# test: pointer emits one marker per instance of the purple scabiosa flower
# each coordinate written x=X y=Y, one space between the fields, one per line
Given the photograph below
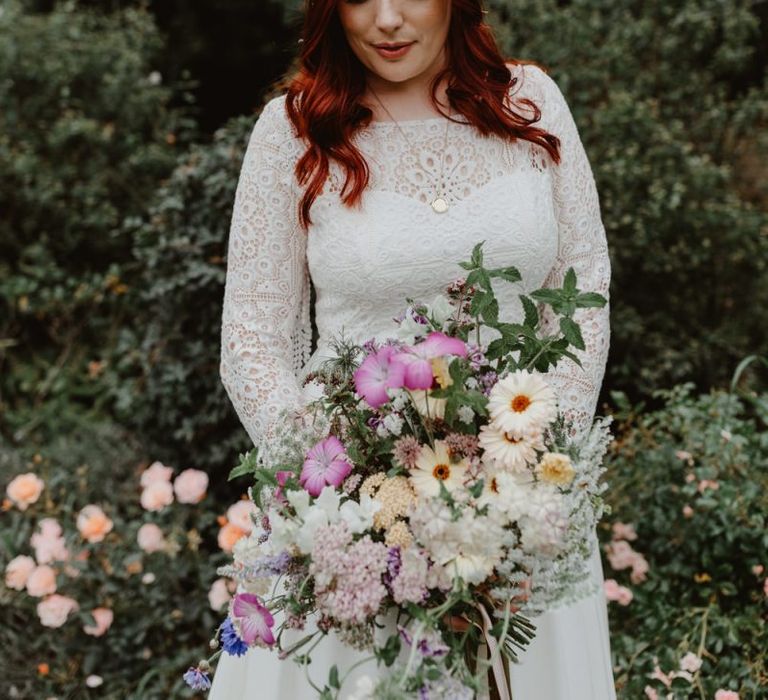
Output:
x=252 y=618
x=393 y=567
x=377 y=373
x=487 y=381
x=326 y=464
x=197 y=679
x=418 y=358
x=230 y=639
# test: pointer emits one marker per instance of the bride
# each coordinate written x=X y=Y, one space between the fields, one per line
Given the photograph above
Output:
x=410 y=139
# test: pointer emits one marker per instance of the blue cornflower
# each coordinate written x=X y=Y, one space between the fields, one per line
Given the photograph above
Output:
x=197 y=679
x=230 y=640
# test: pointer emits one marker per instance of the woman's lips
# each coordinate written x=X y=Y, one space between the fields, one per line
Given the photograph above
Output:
x=393 y=53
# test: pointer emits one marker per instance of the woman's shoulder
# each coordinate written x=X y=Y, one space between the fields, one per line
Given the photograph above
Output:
x=532 y=81
x=274 y=125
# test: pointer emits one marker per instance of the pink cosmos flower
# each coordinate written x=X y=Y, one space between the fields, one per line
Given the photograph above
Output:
x=418 y=358
x=378 y=372
x=253 y=619
x=326 y=463
x=726 y=695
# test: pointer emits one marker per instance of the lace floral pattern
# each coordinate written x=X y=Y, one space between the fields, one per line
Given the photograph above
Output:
x=364 y=261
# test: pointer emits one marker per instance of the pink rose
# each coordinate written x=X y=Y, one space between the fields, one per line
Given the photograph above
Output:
x=190 y=486
x=624 y=531
x=690 y=662
x=41 y=581
x=150 y=538
x=157 y=495
x=708 y=484
x=684 y=456
x=48 y=544
x=93 y=523
x=620 y=554
x=726 y=695
x=229 y=534
x=650 y=693
x=54 y=609
x=639 y=569
x=155 y=472
x=614 y=592
x=758 y=569
x=17 y=572
x=687 y=511
x=103 y=618
x=239 y=514
x=218 y=595
x=25 y=489
x=659 y=675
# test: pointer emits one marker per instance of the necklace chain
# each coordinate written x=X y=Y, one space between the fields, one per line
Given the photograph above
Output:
x=439 y=203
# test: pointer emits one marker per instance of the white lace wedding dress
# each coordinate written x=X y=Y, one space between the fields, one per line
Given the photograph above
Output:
x=533 y=214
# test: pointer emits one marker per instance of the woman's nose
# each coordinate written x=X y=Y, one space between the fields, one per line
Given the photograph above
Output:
x=388 y=15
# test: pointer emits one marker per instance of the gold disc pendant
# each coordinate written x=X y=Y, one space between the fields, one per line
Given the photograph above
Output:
x=440 y=205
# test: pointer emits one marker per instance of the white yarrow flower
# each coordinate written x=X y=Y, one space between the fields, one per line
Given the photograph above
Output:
x=465 y=414
x=522 y=402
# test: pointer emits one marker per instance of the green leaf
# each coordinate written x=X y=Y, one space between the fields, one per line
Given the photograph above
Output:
x=477 y=254
x=548 y=296
x=531 y=312
x=333 y=677
x=590 y=299
x=569 y=283
x=491 y=312
x=572 y=332
x=510 y=274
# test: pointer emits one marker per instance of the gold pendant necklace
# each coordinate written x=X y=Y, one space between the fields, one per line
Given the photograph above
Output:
x=439 y=204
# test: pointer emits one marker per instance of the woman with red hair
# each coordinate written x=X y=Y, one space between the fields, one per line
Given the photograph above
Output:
x=403 y=139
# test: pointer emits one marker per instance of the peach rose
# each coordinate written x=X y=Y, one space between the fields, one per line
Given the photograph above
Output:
x=614 y=592
x=150 y=538
x=687 y=511
x=218 y=595
x=17 y=572
x=624 y=531
x=190 y=486
x=726 y=695
x=93 y=523
x=25 y=489
x=240 y=514
x=228 y=535
x=157 y=495
x=41 y=581
x=54 y=610
x=103 y=618
x=48 y=544
x=155 y=472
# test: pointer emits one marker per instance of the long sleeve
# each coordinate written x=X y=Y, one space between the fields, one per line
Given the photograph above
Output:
x=583 y=246
x=265 y=332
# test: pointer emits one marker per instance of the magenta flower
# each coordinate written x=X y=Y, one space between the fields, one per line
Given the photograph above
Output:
x=326 y=464
x=253 y=619
x=282 y=477
x=417 y=358
x=378 y=372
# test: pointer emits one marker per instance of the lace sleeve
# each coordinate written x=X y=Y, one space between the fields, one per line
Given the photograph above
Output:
x=583 y=246
x=265 y=332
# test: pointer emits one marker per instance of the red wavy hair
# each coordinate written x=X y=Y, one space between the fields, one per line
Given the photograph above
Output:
x=324 y=92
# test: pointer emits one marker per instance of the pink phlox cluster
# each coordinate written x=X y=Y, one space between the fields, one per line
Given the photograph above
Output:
x=348 y=575
x=623 y=531
x=410 y=584
x=462 y=444
x=622 y=556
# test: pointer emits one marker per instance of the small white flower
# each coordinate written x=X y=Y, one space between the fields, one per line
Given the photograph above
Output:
x=521 y=402
x=466 y=414
x=359 y=516
x=726 y=435
x=364 y=689
x=399 y=399
x=94 y=681
x=381 y=431
x=690 y=662
x=393 y=423
x=299 y=499
x=441 y=309
x=283 y=533
x=471 y=383
x=155 y=78
x=148 y=578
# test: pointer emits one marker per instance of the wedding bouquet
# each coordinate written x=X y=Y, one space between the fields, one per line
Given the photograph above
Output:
x=437 y=487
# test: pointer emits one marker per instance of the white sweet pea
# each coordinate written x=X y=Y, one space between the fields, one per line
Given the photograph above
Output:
x=283 y=534
x=305 y=537
x=328 y=501
x=409 y=329
x=359 y=516
x=441 y=309
x=393 y=423
x=299 y=500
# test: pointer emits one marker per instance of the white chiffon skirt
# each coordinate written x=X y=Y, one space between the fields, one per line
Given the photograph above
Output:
x=569 y=659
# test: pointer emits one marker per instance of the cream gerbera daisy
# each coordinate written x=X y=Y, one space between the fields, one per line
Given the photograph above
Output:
x=507 y=450
x=435 y=466
x=521 y=402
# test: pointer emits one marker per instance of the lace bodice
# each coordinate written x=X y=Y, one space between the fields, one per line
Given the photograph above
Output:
x=363 y=263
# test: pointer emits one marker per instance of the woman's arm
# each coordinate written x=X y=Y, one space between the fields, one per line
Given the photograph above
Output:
x=582 y=246
x=265 y=332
